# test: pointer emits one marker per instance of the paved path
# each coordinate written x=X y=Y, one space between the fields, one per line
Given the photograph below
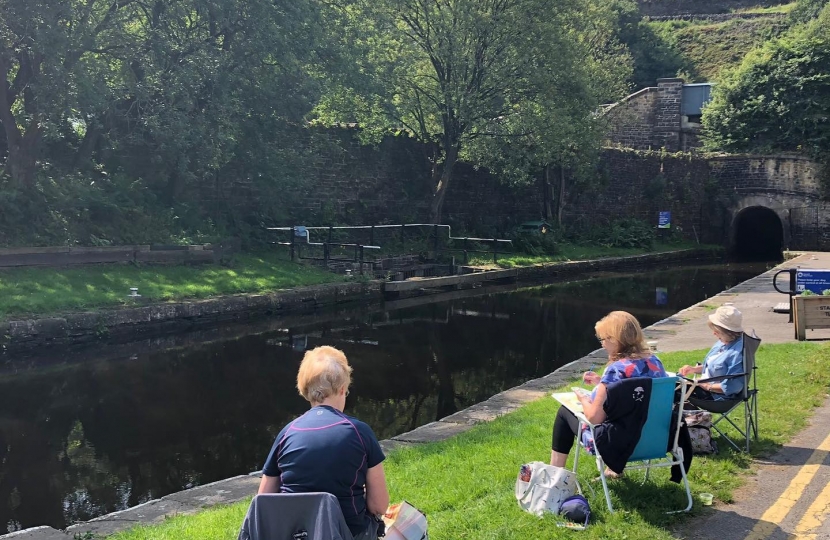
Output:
x=789 y=498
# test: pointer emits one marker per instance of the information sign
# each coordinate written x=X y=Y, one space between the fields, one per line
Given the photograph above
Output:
x=664 y=221
x=816 y=281
x=661 y=296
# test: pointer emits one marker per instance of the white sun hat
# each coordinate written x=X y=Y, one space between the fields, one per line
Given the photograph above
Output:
x=727 y=317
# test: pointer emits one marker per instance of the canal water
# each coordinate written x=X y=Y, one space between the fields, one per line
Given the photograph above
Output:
x=85 y=434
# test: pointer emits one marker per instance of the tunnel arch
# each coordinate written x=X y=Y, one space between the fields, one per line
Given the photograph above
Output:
x=757 y=233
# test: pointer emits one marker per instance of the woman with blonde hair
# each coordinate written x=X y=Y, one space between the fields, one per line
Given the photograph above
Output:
x=325 y=450
x=620 y=334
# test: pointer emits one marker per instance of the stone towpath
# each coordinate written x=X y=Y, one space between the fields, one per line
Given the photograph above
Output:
x=795 y=482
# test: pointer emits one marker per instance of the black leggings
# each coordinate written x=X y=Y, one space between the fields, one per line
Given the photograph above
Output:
x=565 y=429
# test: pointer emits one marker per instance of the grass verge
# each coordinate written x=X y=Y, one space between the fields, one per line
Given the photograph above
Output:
x=465 y=484
x=27 y=291
x=575 y=252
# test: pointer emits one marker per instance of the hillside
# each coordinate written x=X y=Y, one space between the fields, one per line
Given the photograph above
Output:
x=704 y=48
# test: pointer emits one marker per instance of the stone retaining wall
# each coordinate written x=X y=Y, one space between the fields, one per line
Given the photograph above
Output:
x=71 y=255
x=680 y=7
x=716 y=17
x=173 y=317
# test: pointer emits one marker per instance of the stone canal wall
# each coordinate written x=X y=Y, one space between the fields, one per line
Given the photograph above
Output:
x=165 y=318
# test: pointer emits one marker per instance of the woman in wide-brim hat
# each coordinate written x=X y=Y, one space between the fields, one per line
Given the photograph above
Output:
x=724 y=358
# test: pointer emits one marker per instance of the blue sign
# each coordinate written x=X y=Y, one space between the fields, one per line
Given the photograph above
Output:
x=661 y=296
x=300 y=231
x=816 y=281
x=664 y=221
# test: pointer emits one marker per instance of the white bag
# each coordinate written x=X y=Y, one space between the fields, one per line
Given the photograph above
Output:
x=542 y=488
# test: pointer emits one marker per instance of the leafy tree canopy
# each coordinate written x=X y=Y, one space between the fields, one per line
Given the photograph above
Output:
x=779 y=98
x=459 y=75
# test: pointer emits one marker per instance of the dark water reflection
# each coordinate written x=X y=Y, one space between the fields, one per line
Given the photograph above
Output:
x=83 y=438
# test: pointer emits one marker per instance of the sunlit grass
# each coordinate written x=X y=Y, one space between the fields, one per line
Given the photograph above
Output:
x=781 y=8
x=575 y=252
x=48 y=290
x=465 y=484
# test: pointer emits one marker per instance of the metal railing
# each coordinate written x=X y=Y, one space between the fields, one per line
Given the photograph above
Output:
x=304 y=233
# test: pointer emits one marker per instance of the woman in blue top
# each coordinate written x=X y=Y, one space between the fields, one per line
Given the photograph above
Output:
x=620 y=334
x=325 y=450
x=724 y=358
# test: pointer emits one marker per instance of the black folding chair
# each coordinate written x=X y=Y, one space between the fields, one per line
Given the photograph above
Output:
x=748 y=396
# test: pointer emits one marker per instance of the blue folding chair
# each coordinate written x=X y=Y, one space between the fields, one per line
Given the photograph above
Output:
x=651 y=450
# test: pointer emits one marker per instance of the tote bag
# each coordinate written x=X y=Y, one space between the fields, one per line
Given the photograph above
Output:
x=541 y=488
x=405 y=522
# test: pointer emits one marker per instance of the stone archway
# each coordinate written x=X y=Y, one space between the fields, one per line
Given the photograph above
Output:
x=757 y=233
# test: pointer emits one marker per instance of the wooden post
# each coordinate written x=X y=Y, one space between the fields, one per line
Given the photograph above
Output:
x=495 y=250
x=293 y=242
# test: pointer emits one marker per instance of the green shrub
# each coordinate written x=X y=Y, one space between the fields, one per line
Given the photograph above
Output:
x=534 y=244
x=630 y=233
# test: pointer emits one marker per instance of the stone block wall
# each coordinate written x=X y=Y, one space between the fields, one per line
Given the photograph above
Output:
x=667 y=116
x=631 y=121
x=651 y=119
x=642 y=184
x=680 y=7
x=390 y=183
x=781 y=174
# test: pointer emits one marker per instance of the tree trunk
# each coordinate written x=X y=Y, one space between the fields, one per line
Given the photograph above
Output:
x=442 y=183
x=21 y=167
x=22 y=146
x=560 y=206
x=547 y=195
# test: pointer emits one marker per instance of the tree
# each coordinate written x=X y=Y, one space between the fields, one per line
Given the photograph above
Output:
x=778 y=99
x=556 y=133
x=456 y=74
x=41 y=44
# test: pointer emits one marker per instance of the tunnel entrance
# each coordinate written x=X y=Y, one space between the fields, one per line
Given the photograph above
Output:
x=758 y=235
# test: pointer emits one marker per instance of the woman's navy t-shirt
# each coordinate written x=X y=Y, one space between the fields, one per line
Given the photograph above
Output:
x=325 y=450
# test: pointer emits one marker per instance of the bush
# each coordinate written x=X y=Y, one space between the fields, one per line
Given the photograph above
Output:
x=534 y=244
x=630 y=233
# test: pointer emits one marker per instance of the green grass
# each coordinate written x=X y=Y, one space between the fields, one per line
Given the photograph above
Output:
x=709 y=48
x=28 y=291
x=576 y=252
x=781 y=8
x=465 y=484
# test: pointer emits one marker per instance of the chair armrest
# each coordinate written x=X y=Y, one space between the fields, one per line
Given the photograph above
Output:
x=583 y=419
x=720 y=378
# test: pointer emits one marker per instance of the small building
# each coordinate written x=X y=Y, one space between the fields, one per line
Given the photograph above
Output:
x=663 y=116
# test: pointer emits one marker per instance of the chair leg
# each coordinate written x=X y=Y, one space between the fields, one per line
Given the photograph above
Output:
x=679 y=458
x=722 y=434
x=576 y=468
x=755 y=415
x=648 y=470
x=601 y=468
